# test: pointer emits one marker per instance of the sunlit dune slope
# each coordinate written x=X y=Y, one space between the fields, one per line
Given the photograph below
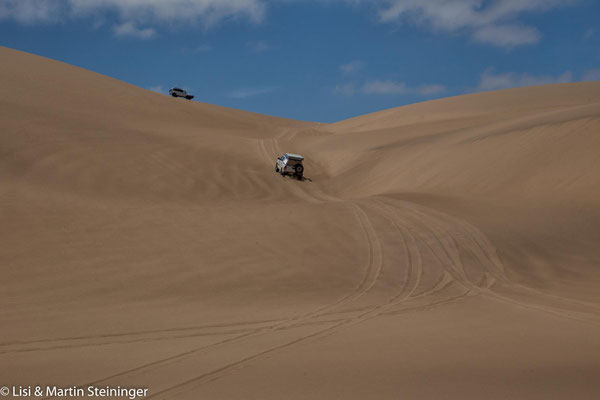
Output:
x=67 y=127
x=539 y=142
x=522 y=161
x=446 y=249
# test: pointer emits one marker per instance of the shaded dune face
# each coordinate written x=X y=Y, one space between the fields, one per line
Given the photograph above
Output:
x=148 y=242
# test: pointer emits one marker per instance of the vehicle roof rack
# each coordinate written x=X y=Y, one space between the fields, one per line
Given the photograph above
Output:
x=293 y=156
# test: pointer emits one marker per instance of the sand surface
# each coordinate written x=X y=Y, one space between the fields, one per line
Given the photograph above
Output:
x=443 y=250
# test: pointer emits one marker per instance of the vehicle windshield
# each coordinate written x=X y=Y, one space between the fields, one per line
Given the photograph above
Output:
x=293 y=162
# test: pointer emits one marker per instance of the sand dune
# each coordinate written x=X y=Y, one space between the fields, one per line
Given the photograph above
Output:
x=447 y=249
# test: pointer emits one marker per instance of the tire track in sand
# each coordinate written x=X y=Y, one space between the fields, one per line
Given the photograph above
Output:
x=484 y=250
x=371 y=273
x=414 y=269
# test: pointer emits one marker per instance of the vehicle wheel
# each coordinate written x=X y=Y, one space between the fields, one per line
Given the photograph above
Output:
x=276 y=168
x=174 y=95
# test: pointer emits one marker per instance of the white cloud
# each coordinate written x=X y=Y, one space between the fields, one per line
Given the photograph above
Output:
x=507 y=35
x=384 y=87
x=591 y=75
x=426 y=90
x=347 y=89
x=259 y=46
x=31 y=11
x=352 y=66
x=209 y=12
x=129 y=29
x=489 y=80
x=157 y=89
x=137 y=12
x=397 y=88
x=244 y=93
x=387 y=87
x=494 y=22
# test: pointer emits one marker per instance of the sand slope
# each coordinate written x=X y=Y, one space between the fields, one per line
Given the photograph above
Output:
x=446 y=249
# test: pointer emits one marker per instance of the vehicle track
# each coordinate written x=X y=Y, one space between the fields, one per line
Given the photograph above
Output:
x=414 y=270
x=485 y=252
x=371 y=273
x=478 y=238
x=120 y=338
x=405 y=220
x=403 y=294
x=443 y=247
x=213 y=375
x=371 y=276
x=488 y=254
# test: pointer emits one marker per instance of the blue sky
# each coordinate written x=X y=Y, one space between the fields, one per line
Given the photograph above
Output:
x=318 y=60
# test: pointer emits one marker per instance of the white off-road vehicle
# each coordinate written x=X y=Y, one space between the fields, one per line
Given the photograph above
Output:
x=177 y=92
x=290 y=164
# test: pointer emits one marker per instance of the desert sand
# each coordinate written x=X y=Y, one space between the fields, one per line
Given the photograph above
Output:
x=443 y=250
